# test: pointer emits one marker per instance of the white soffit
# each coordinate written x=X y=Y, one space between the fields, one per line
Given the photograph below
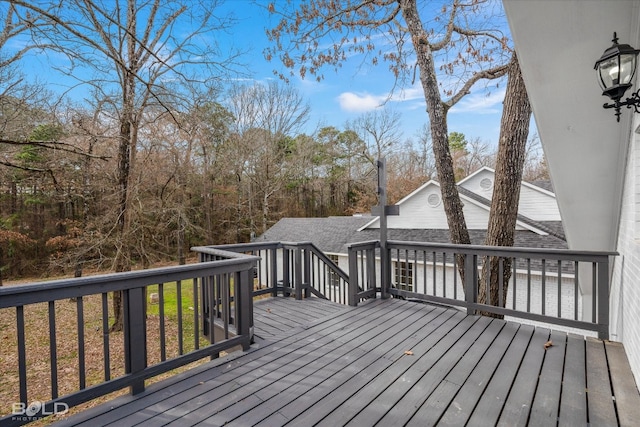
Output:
x=558 y=43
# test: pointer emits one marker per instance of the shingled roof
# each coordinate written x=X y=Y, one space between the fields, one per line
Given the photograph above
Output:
x=333 y=234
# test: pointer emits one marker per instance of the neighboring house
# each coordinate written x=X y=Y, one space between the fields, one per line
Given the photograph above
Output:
x=593 y=160
x=422 y=219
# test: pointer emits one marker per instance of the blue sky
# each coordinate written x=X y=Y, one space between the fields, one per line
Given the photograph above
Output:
x=346 y=95
x=358 y=88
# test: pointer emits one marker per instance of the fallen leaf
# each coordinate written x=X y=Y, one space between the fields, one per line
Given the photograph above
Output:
x=548 y=344
x=268 y=310
x=408 y=352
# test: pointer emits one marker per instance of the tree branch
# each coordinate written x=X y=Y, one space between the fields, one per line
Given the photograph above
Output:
x=53 y=145
x=491 y=73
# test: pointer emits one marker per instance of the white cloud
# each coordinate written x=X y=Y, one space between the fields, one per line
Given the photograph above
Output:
x=363 y=102
x=357 y=103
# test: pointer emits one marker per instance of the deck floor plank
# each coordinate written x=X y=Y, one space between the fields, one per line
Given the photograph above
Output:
x=373 y=402
x=284 y=373
x=545 y=407
x=573 y=402
x=459 y=391
x=222 y=391
x=602 y=411
x=372 y=361
x=346 y=389
x=321 y=363
x=518 y=404
x=624 y=388
x=326 y=365
x=274 y=316
x=490 y=406
x=409 y=397
x=156 y=394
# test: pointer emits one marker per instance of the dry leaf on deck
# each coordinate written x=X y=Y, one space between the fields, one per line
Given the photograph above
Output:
x=548 y=344
x=408 y=352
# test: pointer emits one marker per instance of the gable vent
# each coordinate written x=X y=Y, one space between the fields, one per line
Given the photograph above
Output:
x=486 y=184
x=433 y=200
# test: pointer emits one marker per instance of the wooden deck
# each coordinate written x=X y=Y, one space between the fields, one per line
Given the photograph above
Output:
x=390 y=363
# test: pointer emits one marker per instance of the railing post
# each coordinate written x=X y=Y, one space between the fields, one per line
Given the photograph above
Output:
x=307 y=272
x=371 y=272
x=297 y=272
x=353 y=277
x=273 y=280
x=286 y=272
x=244 y=307
x=135 y=334
x=470 y=280
x=603 y=299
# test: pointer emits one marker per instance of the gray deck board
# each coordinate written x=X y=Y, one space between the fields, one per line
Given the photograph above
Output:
x=289 y=372
x=573 y=402
x=602 y=410
x=389 y=362
x=370 y=404
x=346 y=390
x=464 y=402
x=624 y=388
x=356 y=352
x=545 y=407
x=475 y=341
x=273 y=316
x=518 y=404
x=490 y=405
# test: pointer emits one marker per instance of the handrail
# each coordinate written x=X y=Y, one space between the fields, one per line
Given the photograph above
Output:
x=298 y=268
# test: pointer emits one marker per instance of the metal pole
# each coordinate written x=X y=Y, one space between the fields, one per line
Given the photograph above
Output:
x=385 y=261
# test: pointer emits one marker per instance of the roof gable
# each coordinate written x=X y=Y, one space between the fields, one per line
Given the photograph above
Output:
x=423 y=209
x=536 y=203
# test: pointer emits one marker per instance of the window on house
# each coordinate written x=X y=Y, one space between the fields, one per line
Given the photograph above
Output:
x=332 y=277
x=404 y=275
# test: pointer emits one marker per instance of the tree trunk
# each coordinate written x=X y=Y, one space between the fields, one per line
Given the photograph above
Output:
x=437 y=111
x=128 y=131
x=514 y=129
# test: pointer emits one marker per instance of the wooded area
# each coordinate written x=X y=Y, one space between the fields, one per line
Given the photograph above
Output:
x=167 y=153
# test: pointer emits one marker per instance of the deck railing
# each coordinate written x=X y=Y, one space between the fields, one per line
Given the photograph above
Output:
x=293 y=269
x=560 y=287
x=551 y=286
x=162 y=310
x=177 y=315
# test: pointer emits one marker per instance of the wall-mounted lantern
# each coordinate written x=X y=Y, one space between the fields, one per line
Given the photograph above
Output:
x=616 y=69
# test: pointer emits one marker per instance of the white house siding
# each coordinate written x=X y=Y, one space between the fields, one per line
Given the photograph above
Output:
x=537 y=205
x=420 y=212
x=480 y=182
x=625 y=286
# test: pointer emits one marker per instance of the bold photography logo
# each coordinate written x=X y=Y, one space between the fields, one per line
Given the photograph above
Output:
x=37 y=410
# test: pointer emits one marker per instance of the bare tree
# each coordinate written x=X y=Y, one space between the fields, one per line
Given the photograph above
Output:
x=267 y=117
x=380 y=129
x=135 y=67
x=535 y=163
x=15 y=23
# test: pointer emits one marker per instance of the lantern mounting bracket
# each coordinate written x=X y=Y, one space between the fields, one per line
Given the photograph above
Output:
x=631 y=102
